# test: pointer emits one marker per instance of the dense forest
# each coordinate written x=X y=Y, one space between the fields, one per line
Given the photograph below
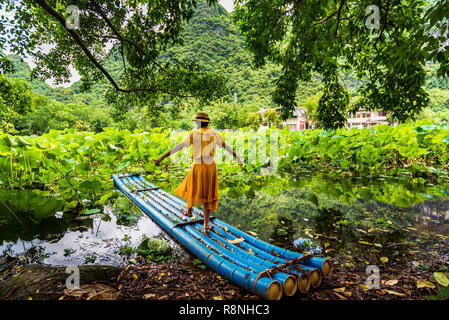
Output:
x=211 y=39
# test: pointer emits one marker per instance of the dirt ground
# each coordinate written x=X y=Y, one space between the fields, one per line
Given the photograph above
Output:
x=193 y=281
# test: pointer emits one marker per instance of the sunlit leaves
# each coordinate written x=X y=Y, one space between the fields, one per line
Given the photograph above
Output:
x=15 y=99
x=425 y=284
x=441 y=278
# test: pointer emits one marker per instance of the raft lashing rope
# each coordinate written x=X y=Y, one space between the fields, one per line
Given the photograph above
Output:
x=257 y=266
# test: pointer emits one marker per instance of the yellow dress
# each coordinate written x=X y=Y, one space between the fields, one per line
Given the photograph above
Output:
x=201 y=184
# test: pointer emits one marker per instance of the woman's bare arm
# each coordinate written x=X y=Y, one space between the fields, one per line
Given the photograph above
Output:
x=234 y=154
x=175 y=149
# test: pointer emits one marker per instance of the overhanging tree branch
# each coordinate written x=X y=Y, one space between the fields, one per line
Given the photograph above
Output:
x=44 y=5
x=119 y=35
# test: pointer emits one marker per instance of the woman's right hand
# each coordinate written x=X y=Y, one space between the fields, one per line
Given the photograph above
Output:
x=239 y=161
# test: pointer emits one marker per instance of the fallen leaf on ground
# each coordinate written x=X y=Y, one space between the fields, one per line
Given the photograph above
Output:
x=365 y=288
x=425 y=284
x=384 y=259
x=103 y=296
x=391 y=282
x=441 y=278
x=364 y=242
x=235 y=241
x=339 y=296
x=339 y=289
x=96 y=291
x=396 y=293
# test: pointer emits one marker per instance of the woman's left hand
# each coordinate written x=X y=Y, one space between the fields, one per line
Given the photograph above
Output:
x=239 y=162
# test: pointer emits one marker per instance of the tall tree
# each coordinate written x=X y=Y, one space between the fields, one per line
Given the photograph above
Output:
x=15 y=100
x=385 y=42
x=85 y=33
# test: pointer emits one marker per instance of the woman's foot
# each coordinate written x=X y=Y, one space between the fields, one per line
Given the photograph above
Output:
x=188 y=213
x=206 y=230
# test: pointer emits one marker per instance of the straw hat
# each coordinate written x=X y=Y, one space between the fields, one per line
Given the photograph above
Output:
x=202 y=117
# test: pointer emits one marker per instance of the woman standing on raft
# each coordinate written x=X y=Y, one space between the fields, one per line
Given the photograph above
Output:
x=201 y=184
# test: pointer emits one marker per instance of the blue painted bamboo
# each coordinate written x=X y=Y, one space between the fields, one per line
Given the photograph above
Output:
x=237 y=255
x=264 y=287
x=314 y=262
x=323 y=264
x=302 y=276
x=226 y=235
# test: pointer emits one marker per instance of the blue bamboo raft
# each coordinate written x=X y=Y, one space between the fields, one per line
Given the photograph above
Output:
x=257 y=266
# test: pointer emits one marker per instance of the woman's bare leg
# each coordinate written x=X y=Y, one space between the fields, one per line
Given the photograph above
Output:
x=206 y=220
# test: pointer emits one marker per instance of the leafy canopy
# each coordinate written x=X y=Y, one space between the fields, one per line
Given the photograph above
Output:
x=332 y=36
x=86 y=33
x=15 y=99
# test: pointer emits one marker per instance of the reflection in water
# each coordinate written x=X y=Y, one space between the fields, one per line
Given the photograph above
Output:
x=92 y=240
x=432 y=213
x=359 y=220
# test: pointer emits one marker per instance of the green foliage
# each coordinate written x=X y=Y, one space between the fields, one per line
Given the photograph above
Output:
x=199 y=264
x=155 y=249
x=67 y=167
x=310 y=104
x=138 y=33
x=284 y=230
x=331 y=37
x=212 y=41
x=90 y=259
x=332 y=106
x=379 y=150
x=229 y=115
x=50 y=114
x=5 y=64
x=15 y=100
x=271 y=117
